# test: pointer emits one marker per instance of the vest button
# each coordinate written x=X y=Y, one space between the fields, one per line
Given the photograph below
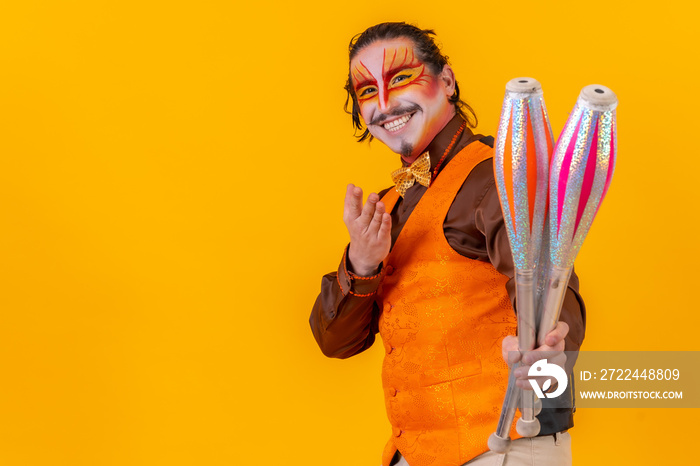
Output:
x=389 y=270
x=397 y=432
x=387 y=307
x=390 y=349
x=392 y=391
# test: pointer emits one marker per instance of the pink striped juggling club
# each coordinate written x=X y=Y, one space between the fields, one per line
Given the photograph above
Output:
x=580 y=174
x=524 y=146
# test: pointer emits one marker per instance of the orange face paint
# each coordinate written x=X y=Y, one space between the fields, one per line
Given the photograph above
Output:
x=400 y=68
x=402 y=103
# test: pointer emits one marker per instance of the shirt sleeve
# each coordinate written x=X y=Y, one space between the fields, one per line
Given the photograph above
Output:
x=483 y=237
x=344 y=319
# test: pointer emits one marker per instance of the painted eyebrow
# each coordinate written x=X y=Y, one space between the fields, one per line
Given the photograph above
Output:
x=408 y=61
x=362 y=84
x=366 y=78
x=400 y=68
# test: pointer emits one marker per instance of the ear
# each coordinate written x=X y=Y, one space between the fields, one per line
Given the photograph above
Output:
x=447 y=78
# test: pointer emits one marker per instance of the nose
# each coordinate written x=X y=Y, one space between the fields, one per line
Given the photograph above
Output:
x=385 y=101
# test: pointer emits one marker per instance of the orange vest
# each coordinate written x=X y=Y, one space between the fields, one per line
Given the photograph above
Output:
x=443 y=319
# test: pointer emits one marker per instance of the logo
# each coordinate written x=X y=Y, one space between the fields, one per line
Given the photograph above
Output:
x=543 y=369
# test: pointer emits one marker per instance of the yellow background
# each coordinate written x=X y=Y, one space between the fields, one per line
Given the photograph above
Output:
x=171 y=185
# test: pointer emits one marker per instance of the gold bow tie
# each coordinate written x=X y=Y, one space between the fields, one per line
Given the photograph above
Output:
x=419 y=171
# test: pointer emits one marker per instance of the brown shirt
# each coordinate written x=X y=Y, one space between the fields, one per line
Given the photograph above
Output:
x=344 y=319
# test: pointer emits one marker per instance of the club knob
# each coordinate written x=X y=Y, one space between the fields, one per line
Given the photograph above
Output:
x=524 y=86
x=598 y=97
x=498 y=444
x=528 y=428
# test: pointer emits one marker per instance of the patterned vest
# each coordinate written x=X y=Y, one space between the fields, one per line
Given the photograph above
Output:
x=443 y=319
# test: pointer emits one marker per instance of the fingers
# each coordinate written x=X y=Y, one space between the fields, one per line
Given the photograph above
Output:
x=543 y=352
x=525 y=383
x=523 y=378
x=368 y=210
x=559 y=359
x=552 y=351
x=376 y=222
x=555 y=344
x=558 y=334
x=384 y=233
x=510 y=350
x=370 y=217
x=369 y=227
x=353 y=203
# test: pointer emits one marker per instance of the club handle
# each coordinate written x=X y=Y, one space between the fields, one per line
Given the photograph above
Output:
x=525 y=287
x=525 y=292
x=499 y=441
x=554 y=293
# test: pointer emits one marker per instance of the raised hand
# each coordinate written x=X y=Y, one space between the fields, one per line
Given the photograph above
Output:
x=370 y=231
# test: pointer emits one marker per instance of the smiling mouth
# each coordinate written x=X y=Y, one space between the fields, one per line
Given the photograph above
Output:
x=397 y=124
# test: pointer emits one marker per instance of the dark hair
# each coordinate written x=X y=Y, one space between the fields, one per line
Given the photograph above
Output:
x=428 y=52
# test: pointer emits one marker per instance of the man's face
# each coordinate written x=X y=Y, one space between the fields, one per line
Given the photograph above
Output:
x=402 y=103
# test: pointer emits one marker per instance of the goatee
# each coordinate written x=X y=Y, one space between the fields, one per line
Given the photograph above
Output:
x=406 y=149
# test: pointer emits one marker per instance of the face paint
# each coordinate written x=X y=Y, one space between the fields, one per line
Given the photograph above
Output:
x=402 y=103
x=395 y=74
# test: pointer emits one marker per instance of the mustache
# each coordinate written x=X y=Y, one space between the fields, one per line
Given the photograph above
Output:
x=382 y=117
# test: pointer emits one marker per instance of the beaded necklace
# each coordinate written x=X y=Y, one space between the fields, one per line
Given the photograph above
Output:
x=449 y=148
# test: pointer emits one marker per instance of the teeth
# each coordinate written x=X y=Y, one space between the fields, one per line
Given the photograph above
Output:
x=397 y=124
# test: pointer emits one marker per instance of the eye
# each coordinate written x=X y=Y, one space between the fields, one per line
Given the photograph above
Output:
x=367 y=91
x=406 y=76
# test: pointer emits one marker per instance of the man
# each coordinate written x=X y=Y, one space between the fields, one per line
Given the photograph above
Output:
x=429 y=267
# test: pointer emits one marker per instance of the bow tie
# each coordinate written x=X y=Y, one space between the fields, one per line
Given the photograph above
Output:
x=419 y=171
